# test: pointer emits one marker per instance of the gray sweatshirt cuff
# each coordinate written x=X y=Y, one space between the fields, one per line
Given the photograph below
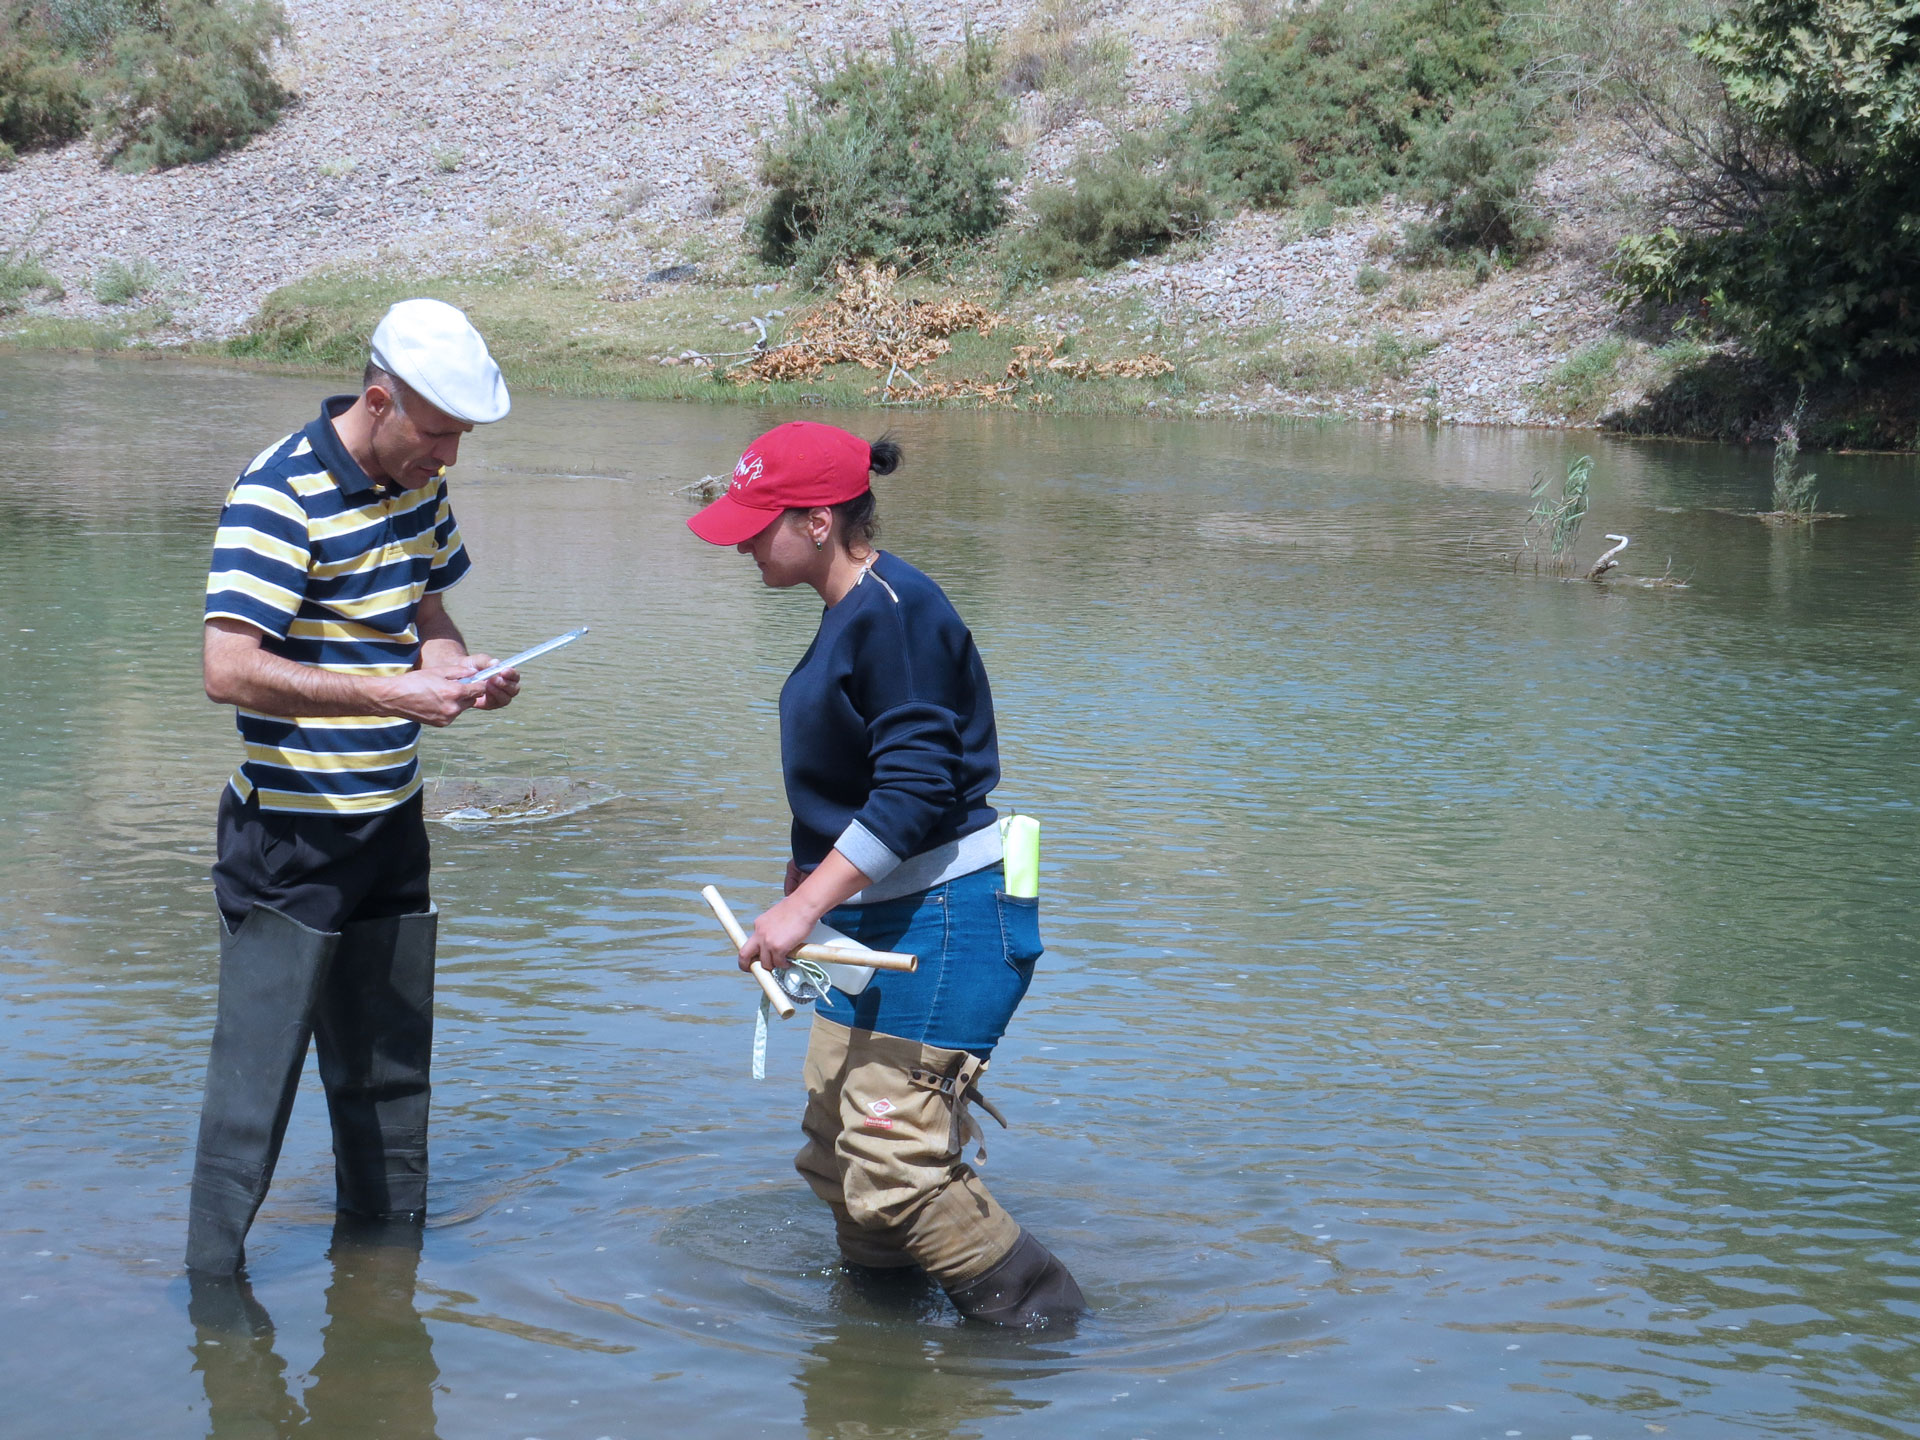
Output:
x=871 y=858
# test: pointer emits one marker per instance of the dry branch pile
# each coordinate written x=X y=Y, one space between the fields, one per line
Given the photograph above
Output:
x=867 y=324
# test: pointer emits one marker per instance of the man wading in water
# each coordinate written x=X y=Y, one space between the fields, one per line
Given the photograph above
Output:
x=326 y=628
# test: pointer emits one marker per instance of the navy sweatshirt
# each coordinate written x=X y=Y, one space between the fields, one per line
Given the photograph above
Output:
x=886 y=726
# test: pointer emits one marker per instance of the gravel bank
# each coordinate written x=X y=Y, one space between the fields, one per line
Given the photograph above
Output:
x=588 y=139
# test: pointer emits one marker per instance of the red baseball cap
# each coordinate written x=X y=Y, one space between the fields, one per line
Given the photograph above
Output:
x=794 y=466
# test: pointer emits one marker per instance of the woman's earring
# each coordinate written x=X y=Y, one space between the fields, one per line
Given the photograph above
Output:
x=819 y=544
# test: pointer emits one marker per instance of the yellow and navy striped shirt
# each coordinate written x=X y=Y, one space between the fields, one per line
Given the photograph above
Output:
x=331 y=567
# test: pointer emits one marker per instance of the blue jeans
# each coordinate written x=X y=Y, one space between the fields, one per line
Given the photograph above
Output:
x=977 y=947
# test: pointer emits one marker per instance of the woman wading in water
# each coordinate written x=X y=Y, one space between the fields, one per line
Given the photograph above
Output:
x=889 y=751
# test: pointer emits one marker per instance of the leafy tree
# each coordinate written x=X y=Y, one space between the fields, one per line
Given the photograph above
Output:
x=42 y=93
x=1792 y=216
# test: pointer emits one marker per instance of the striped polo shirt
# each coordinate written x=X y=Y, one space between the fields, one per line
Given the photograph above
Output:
x=331 y=567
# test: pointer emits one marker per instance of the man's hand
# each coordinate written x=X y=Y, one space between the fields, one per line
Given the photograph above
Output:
x=443 y=651
x=239 y=670
x=433 y=696
x=497 y=692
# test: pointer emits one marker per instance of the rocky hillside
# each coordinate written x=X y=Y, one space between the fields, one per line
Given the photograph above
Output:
x=602 y=142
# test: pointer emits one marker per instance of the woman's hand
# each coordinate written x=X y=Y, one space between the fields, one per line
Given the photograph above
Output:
x=785 y=928
x=778 y=933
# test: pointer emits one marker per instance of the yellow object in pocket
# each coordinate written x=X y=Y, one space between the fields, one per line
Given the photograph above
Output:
x=1020 y=843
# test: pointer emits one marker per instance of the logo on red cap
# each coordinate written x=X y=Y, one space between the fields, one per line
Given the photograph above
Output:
x=794 y=466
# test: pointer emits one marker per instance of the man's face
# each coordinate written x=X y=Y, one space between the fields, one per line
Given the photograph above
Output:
x=411 y=444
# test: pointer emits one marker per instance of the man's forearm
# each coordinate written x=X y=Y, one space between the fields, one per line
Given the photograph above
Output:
x=274 y=685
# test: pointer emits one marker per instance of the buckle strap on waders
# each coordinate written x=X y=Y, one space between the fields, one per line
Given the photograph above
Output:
x=958 y=1088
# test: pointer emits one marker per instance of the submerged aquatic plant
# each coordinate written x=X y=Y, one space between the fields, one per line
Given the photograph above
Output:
x=1556 y=522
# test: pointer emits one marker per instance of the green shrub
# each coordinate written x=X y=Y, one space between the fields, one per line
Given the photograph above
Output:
x=1619 y=55
x=42 y=95
x=1370 y=281
x=8 y=155
x=1473 y=172
x=118 y=282
x=1335 y=95
x=896 y=160
x=1317 y=217
x=1114 y=207
x=194 y=84
x=88 y=25
x=1793 y=219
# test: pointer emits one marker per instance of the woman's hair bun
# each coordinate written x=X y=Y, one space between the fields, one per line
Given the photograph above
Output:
x=886 y=456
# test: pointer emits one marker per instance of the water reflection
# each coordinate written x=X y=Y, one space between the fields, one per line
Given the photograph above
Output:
x=375 y=1374
x=884 y=1366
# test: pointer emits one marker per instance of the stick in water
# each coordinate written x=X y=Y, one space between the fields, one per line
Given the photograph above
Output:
x=775 y=995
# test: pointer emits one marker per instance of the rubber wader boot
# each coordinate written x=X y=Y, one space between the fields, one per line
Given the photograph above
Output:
x=374 y=1025
x=271 y=971
x=887 y=1120
x=1029 y=1287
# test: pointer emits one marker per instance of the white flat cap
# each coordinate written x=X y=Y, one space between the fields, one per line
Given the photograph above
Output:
x=435 y=349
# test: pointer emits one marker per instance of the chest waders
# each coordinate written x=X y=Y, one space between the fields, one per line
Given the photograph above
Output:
x=886 y=1122
x=365 y=993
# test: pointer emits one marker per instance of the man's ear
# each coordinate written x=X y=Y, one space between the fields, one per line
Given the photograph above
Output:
x=379 y=400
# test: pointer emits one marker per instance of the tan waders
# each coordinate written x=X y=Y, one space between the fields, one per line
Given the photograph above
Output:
x=368 y=994
x=886 y=1122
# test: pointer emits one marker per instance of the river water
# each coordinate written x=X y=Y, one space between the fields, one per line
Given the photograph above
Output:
x=1475 y=1005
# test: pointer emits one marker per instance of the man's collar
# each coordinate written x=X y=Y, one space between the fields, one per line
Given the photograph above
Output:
x=345 y=470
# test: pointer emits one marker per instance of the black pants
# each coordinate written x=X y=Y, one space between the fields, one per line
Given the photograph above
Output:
x=328 y=933
x=325 y=871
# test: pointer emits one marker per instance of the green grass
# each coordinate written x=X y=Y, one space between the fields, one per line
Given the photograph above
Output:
x=1579 y=387
x=1318 y=367
x=571 y=339
x=23 y=276
x=118 y=282
x=56 y=332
